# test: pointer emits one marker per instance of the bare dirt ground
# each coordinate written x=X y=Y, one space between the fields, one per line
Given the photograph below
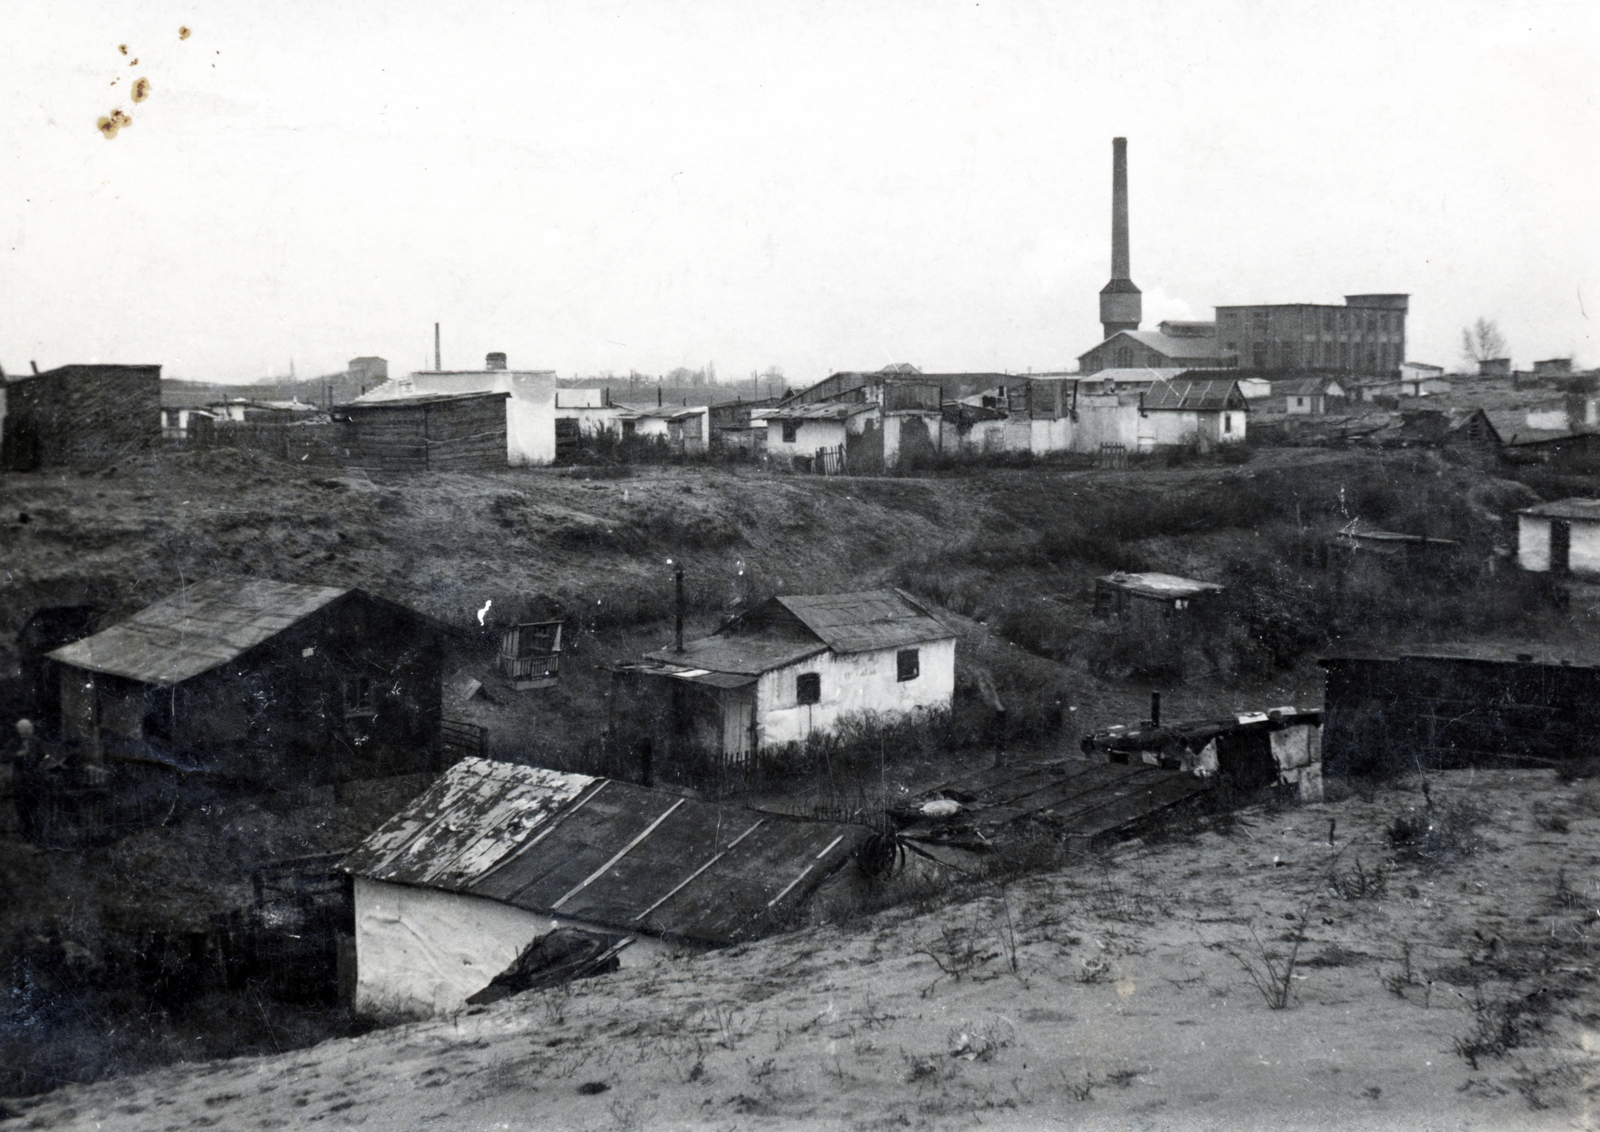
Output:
x=1443 y=982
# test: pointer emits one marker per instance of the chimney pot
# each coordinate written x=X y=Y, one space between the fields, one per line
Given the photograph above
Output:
x=495 y=360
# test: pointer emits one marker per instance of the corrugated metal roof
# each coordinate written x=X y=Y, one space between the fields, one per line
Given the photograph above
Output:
x=197 y=629
x=873 y=619
x=1586 y=509
x=1207 y=396
x=606 y=852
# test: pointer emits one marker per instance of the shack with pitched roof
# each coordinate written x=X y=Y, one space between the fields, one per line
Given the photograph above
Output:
x=259 y=681
x=1192 y=409
x=784 y=671
x=474 y=878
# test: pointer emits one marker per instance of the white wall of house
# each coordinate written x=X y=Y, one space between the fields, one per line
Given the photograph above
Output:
x=852 y=683
x=1046 y=436
x=592 y=421
x=1161 y=427
x=530 y=410
x=1303 y=403
x=808 y=437
x=1106 y=418
x=425 y=951
x=894 y=423
x=1533 y=545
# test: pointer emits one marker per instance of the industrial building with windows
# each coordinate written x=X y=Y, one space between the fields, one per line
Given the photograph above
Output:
x=1365 y=336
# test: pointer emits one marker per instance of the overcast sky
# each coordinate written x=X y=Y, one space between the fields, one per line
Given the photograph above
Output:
x=813 y=185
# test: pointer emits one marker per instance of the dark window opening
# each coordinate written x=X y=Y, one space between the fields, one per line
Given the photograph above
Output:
x=808 y=687
x=907 y=665
x=791 y=430
x=358 y=696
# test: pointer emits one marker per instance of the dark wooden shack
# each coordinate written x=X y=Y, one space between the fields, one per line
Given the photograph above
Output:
x=257 y=681
x=79 y=415
x=439 y=432
x=1459 y=705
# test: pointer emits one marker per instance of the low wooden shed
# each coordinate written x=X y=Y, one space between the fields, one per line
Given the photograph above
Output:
x=438 y=432
x=258 y=680
x=78 y=414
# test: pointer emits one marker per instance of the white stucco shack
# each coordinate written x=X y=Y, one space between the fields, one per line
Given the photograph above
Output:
x=805 y=430
x=786 y=670
x=1206 y=411
x=459 y=886
x=530 y=410
x=1560 y=538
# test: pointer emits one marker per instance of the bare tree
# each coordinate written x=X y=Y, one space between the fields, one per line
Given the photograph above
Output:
x=1482 y=341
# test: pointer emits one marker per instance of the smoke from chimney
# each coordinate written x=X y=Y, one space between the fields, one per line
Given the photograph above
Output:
x=495 y=360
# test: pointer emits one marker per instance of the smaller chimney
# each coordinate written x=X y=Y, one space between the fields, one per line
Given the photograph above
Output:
x=677 y=645
x=437 y=364
x=494 y=360
x=35 y=366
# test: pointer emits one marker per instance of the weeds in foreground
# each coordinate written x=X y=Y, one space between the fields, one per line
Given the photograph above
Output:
x=1357 y=883
x=1438 y=834
x=1270 y=973
x=1501 y=1025
x=1397 y=982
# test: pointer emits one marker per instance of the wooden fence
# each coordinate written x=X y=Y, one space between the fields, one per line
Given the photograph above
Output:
x=463 y=740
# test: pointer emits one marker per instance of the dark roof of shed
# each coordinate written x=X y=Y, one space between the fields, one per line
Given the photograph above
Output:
x=747 y=655
x=406 y=400
x=77 y=370
x=606 y=852
x=1555 y=655
x=1511 y=426
x=819 y=411
x=197 y=629
x=872 y=619
x=1587 y=509
x=1210 y=395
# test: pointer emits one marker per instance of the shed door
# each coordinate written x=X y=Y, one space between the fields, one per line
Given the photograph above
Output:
x=1560 y=546
x=738 y=723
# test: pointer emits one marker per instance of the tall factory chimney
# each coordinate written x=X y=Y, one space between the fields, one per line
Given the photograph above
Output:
x=1120 y=304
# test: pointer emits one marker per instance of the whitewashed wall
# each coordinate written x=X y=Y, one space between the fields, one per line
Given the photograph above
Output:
x=1533 y=543
x=851 y=684
x=808 y=437
x=425 y=951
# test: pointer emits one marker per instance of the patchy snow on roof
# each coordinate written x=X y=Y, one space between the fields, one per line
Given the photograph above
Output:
x=197 y=629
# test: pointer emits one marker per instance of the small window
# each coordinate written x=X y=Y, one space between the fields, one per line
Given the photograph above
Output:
x=907 y=665
x=358 y=696
x=1227 y=422
x=808 y=687
x=791 y=430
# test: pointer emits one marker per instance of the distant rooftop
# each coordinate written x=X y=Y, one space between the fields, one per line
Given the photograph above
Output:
x=1164 y=586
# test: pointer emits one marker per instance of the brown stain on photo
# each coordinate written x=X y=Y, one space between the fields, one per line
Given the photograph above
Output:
x=111 y=123
x=183 y=33
x=122 y=47
x=141 y=89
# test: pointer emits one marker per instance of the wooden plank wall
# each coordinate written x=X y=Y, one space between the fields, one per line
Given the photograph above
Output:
x=457 y=434
x=88 y=414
